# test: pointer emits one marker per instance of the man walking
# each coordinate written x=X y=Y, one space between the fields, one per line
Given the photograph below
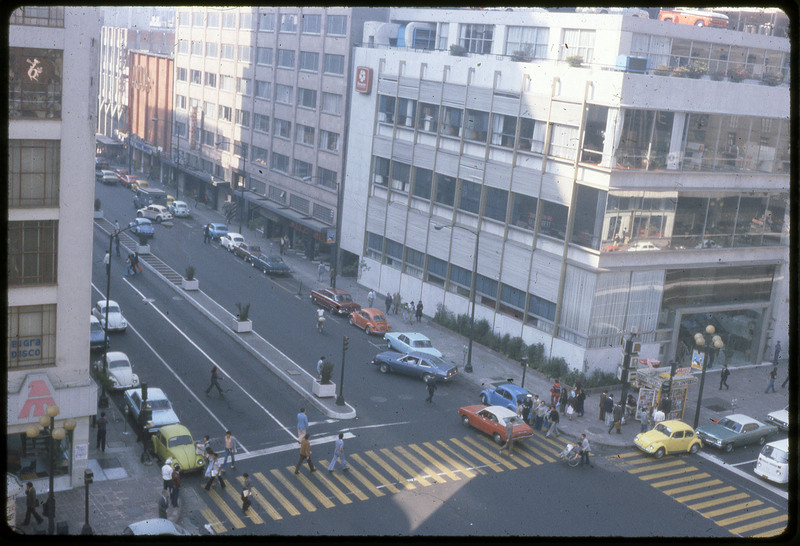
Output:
x=777 y=353
x=555 y=392
x=206 y=234
x=320 y=271
x=31 y=502
x=338 y=454
x=176 y=485
x=246 y=491
x=388 y=302
x=584 y=452
x=527 y=406
x=552 y=419
x=333 y=277
x=101 y=425
x=431 y=384
x=320 y=364
x=107 y=262
x=230 y=449
x=541 y=411
x=305 y=454
x=509 y=445
x=216 y=472
x=723 y=377
x=773 y=375
x=617 y=413
x=166 y=475
x=609 y=409
x=370 y=297
x=419 y=311
x=214 y=382
x=302 y=424
x=163 y=504
x=603 y=406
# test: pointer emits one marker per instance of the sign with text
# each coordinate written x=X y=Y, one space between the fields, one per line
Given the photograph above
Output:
x=363 y=79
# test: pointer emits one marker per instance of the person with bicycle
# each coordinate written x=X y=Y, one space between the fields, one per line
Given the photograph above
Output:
x=584 y=450
x=320 y=319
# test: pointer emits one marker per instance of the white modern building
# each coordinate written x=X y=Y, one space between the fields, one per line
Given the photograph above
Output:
x=625 y=175
x=53 y=54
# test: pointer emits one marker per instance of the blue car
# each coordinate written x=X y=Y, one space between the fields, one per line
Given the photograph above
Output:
x=97 y=336
x=415 y=364
x=508 y=396
x=217 y=230
x=270 y=265
x=142 y=228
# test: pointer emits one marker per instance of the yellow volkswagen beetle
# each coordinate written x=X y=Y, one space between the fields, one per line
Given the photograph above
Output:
x=668 y=437
x=175 y=442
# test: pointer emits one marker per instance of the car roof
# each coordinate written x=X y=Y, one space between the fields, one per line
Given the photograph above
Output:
x=154 y=526
x=337 y=291
x=413 y=335
x=102 y=303
x=176 y=202
x=783 y=444
x=116 y=355
x=372 y=311
x=143 y=221
x=675 y=424
x=741 y=418
x=176 y=429
x=153 y=393
x=216 y=224
x=512 y=388
x=232 y=234
x=501 y=411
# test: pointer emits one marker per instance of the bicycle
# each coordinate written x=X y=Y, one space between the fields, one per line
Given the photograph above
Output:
x=571 y=455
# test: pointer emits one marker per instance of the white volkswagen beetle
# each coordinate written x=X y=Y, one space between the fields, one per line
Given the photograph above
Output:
x=120 y=371
x=116 y=322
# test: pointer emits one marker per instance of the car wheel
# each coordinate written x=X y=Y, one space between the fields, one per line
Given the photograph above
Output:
x=660 y=453
x=728 y=448
x=138 y=214
x=497 y=438
x=252 y=263
x=384 y=367
x=352 y=322
x=694 y=449
x=158 y=219
x=762 y=440
x=465 y=420
x=699 y=24
x=368 y=330
x=484 y=400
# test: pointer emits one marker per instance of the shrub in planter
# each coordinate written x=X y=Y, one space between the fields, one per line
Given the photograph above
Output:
x=97 y=204
x=575 y=60
x=680 y=71
x=482 y=331
x=189 y=273
x=697 y=69
x=523 y=55
x=662 y=70
x=244 y=311
x=326 y=373
x=458 y=50
x=739 y=74
x=772 y=78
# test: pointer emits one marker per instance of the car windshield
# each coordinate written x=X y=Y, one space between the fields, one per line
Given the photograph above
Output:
x=730 y=425
x=112 y=309
x=276 y=259
x=436 y=361
x=161 y=404
x=182 y=440
x=118 y=364
x=343 y=297
x=779 y=456
x=421 y=343
x=254 y=249
x=96 y=327
x=663 y=429
x=378 y=318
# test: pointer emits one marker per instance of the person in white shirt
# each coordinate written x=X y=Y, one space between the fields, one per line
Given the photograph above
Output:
x=658 y=416
x=166 y=474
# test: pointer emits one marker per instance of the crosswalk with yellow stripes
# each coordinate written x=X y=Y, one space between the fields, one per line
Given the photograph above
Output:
x=278 y=493
x=736 y=511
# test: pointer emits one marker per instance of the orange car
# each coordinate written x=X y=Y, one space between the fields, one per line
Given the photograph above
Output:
x=371 y=320
x=492 y=420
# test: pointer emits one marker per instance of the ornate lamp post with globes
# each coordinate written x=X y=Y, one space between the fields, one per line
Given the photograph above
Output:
x=706 y=342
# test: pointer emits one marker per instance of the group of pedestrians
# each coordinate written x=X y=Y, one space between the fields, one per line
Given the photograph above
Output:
x=304 y=438
x=132 y=263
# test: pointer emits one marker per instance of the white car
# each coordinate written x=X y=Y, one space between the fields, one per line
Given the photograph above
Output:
x=180 y=209
x=230 y=240
x=162 y=412
x=159 y=213
x=642 y=245
x=120 y=371
x=780 y=418
x=409 y=342
x=116 y=322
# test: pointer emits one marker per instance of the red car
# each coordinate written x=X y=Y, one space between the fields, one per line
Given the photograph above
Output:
x=371 y=320
x=335 y=300
x=126 y=179
x=492 y=421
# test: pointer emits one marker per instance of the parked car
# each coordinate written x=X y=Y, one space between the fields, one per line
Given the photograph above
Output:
x=116 y=322
x=696 y=17
x=642 y=245
x=101 y=164
x=508 y=396
x=159 y=213
x=97 y=336
x=140 y=184
x=371 y=320
x=735 y=430
x=174 y=442
x=230 y=240
x=780 y=418
x=180 y=209
x=420 y=365
x=773 y=461
x=217 y=230
x=142 y=228
x=163 y=414
x=492 y=420
x=120 y=371
x=147 y=196
x=106 y=177
x=270 y=265
x=335 y=300
x=244 y=250
x=406 y=342
x=155 y=526
x=668 y=437
x=126 y=180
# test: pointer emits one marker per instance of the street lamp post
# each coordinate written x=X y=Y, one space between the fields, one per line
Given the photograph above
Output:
x=48 y=423
x=88 y=477
x=477 y=234
x=524 y=362
x=703 y=340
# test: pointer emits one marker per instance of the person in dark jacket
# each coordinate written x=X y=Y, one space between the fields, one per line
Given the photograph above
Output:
x=603 y=406
x=30 y=504
x=617 y=413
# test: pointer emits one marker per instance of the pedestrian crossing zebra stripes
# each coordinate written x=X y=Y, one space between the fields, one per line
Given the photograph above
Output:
x=278 y=493
x=734 y=510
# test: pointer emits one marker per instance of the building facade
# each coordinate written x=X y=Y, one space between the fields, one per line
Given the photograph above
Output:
x=620 y=174
x=53 y=56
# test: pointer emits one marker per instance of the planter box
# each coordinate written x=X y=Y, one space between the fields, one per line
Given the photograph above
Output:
x=98 y=214
x=243 y=326
x=143 y=249
x=323 y=391
x=193 y=284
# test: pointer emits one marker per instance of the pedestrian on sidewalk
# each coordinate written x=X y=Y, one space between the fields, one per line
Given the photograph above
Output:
x=282 y=244
x=320 y=364
x=419 y=311
x=527 y=406
x=333 y=277
x=136 y=265
x=305 y=454
x=176 y=485
x=206 y=234
x=552 y=421
x=603 y=406
x=302 y=423
x=370 y=298
x=396 y=303
x=777 y=353
x=388 y=302
x=338 y=454
x=201 y=448
x=723 y=377
x=617 y=413
x=320 y=271
x=406 y=313
x=129 y=264
x=580 y=400
x=773 y=375
x=163 y=504
x=541 y=412
x=584 y=451
x=509 y=445
x=214 y=382
x=555 y=392
x=647 y=418
x=431 y=386
x=216 y=472
x=31 y=502
x=570 y=408
x=107 y=262
x=658 y=416
x=230 y=449
x=609 y=406
x=166 y=474
x=246 y=492
x=101 y=425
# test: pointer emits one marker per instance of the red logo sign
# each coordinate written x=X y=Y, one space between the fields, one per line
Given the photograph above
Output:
x=363 y=79
x=39 y=397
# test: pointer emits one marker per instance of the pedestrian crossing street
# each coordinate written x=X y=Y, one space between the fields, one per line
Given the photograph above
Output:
x=730 y=508
x=278 y=493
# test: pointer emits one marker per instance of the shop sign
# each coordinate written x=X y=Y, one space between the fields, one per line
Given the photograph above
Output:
x=38 y=393
x=331 y=238
x=25 y=348
x=363 y=79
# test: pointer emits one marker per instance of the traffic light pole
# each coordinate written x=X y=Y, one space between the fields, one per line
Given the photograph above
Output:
x=340 y=398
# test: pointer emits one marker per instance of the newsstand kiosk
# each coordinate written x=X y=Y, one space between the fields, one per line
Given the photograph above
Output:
x=651 y=381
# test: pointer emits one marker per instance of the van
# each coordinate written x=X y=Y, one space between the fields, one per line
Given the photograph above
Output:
x=773 y=461
x=149 y=196
x=698 y=18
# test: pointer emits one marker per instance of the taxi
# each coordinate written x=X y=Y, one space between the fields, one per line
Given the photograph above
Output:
x=668 y=437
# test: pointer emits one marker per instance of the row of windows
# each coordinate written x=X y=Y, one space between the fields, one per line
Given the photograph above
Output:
x=34 y=83
x=287 y=22
x=331 y=103
x=34 y=169
x=31 y=336
x=38 y=16
x=32 y=252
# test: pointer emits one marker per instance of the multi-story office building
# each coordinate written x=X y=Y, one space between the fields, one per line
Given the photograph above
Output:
x=53 y=55
x=260 y=113
x=623 y=174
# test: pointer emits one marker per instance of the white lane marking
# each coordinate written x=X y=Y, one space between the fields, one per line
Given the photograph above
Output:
x=292 y=446
x=719 y=462
x=377 y=426
x=753 y=462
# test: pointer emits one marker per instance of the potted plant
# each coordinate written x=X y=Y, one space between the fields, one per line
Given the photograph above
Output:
x=143 y=247
x=98 y=212
x=662 y=70
x=772 y=78
x=458 y=50
x=575 y=60
x=189 y=282
x=697 y=69
x=243 y=324
x=523 y=55
x=324 y=387
x=738 y=74
x=680 y=71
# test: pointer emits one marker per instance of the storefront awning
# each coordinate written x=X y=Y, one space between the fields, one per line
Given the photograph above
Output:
x=106 y=141
x=300 y=221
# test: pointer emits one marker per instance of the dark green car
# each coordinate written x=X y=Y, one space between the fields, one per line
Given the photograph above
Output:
x=735 y=430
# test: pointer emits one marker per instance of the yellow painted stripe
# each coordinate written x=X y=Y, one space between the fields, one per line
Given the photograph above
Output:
x=392 y=472
x=551 y=444
x=307 y=504
x=338 y=493
x=477 y=455
x=682 y=479
x=435 y=462
x=410 y=471
x=212 y=520
x=233 y=518
x=321 y=497
x=655 y=466
x=641 y=460
x=490 y=452
x=471 y=466
x=375 y=474
x=236 y=496
x=714 y=502
x=449 y=460
x=764 y=523
x=524 y=451
x=490 y=446
x=531 y=445
x=695 y=496
x=734 y=507
x=682 y=470
x=277 y=494
x=368 y=484
x=684 y=489
x=749 y=515
x=342 y=477
x=425 y=468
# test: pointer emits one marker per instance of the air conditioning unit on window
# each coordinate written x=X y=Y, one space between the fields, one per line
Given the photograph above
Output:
x=639 y=65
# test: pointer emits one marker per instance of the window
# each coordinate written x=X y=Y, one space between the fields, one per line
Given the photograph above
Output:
x=386 y=109
x=496 y=204
x=302 y=169
x=283 y=93
x=210 y=80
x=197 y=48
x=229 y=19
x=322 y=213
x=288 y=23
x=183 y=46
x=334 y=64
x=282 y=128
x=32 y=252
x=242 y=118
x=374 y=246
x=31 y=336
x=540 y=307
x=197 y=18
x=401 y=176
x=286 y=58
x=460 y=280
x=298 y=203
x=415 y=262
x=437 y=270
x=33 y=173
x=180 y=102
x=331 y=103
x=39 y=16
x=309 y=61
x=424 y=38
x=476 y=125
x=212 y=49
x=261 y=123
x=213 y=19
x=240 y=148
x=277 y=194
x=246 y=21
x=304 y=135
x=312 y=24
x=264 y=56
x=512 y=300
x=227 y=51
x=226 y=83
x=225 y=113
x=307 y=98
x=504 y=129
x=328 y=141
x=530 y=42
x=393 y=254
x=243 y=86
x=578 y=42
x=406 y=112
x=554 y=220
x=337 y=24
x=563 y=141
x=34 y=90
x=207 y=138
x=260 y=156
x=183 y=18
x=196 y=76
x=428 y=117
x=470 y=199
x=326 y=178
x=451 y=122
x=280 y=163
x=477 y=38
x=263 y=90
x=445 y=190
x=209 y=109
x=266 y=22
x=380 y=170
x=444 y=30
x=531 y=135
x=423 y=180
x=245 y=53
